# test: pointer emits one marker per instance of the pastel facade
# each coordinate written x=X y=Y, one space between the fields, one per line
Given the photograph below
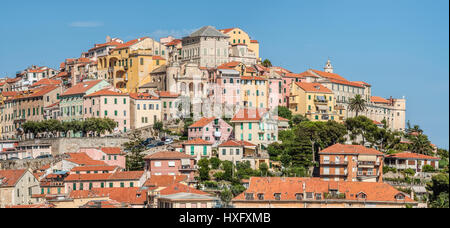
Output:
x=198 y=148
x=17 y=187
x=241 y=151
x=109 y=104
x=254 y=92
x=257 y=126
x=353 y=163
x=239 y=36
x=407 y=160
x=213 y=130
x=312 y=100
x=112 y=156
x=145 y=110
x=170 y=163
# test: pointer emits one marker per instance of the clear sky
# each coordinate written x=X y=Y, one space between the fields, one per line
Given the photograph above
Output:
x=400 y=47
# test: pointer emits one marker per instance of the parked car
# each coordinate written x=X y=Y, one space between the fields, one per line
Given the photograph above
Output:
x=149 y=146
x=14 y=158
x=44 y=156
x=160 y=143
x=168 y=141
x=27 y=158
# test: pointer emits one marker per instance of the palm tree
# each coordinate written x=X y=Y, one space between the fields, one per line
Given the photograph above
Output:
x=267 y=63
x=357 y=104
x=421 y=145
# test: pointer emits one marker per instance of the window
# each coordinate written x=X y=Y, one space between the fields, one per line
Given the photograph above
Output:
x=261 y=196
x=106 y=100
x=110 y=185
x=224 y=151
x=299 y=196
x=277 y=196
x=361 y=195
x=157 y=164
x=122 y=185
x=249 y=196
x=171 y=164
x=115 y=100
x=318 y=196
x=131 y=184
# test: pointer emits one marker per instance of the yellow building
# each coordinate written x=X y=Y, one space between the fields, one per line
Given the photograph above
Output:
x=312 y=100
x=129 y=65
x=239 y=36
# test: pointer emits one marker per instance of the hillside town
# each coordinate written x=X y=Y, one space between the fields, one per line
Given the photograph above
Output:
x=204 y=121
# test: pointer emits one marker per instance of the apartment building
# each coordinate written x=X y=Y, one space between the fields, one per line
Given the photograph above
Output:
x=408 y=160
x=353 y=163
x=170 y=163
x=239 y=36
x=145 y=110
x=294 y=192
x=198 y=148
x=17 y=187
x=213 y=130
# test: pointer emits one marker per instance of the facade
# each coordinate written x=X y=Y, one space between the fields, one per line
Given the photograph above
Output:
x=145 y=110
x=129 y=64
x=17 y=187
x=241 y=151
x=239 y=36
x=109 y=104
x=408 y=160
x=72 y=101
x=111 y=156
x=198 y=148
x=353 y=163
x=207 y=47
x=312 y=100
x=170 y=163
x=179 y=195
x=257 y=126
x=213 y=130
x=293 y=192
x=104 y=180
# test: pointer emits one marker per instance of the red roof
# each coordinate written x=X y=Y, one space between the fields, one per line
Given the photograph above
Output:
x=252 y=115
x=158 y=58
x=178 y=188
x=81 y=88
x=88 y=177
x=9 y=178
x=227 y=30
x=167 y=155
x=362 y=83
x=288 y=187
x=45 y=205
x=234 y=143
x=350 y=149
x=313 y=87
x=46 y=81
x=167 y=94
x=94 y=168
x=112 y=43
x=202 y=122
x=128 y=175
x=129 y=43
x=253 y=41
x=174 y=42
x=253 y=78
x=134 y=196
x=230 y=65
x=83 y=159
x=197 y=141
x=409 y=155
x=111 y=150
x=282 y=119
x=106 y=92
x=164 y=180
x=142 y=96
x=379 y=100
x=37 y=92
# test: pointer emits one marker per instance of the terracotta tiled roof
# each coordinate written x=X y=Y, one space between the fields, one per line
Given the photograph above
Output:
x=248 y=115
x=142 y=96
x=174 y=42
x=234 y=143
x=197 y=141
x=253 y=78
x=13 y=80
x=106 y=92
x=83 y=159
x=46 y=81
x=362 y=83
x=379 y=100
x=167 y=94
x=81 y=88
x=313 y=87
x=134 y=196
x=9 y=93
x=53 y=105
x=227 y=30
x=164 y=180
x=37 y=92
x=105 y=204
x=253 y=41
x=129 y=43
x=127 y=175
x=94 y=168
x=111 y=150
x=158 y=58
x=88 y=177
x=178 y=187
x=9 y=178
x=112 y=43
x=202 y=122
x=288 y=187
x=167 y=155
x=282 y=119
x=230 y=65
x=350 y=149
x=409 y=155
x=61 y=74
x=32 y=206
x=376 y=122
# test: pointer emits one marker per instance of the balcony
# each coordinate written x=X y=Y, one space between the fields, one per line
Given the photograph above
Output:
x=325 y=162
x=345 y=173
x=321 y=102
x=366 y=174
x=187 y=167
x=368 y=164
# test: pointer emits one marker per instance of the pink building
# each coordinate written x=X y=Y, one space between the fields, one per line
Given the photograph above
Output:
x=226 y=86
x=276 y=95
x=288 y=78
x=112 y=156
x=213 y=130
x=170 y=163
x=109 y=104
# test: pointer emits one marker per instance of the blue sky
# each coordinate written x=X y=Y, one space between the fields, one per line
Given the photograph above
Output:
x=401 y=47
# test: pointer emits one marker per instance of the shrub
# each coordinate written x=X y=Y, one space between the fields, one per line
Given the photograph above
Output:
x=215 y=163
x=428 y=169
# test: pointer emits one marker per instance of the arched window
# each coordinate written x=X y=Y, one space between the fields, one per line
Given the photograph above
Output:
x=361 y=195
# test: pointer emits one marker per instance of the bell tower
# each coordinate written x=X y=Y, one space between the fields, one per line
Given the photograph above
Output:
x=328 y=67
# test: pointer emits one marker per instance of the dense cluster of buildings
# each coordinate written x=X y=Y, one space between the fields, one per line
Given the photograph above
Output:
x=216 y=76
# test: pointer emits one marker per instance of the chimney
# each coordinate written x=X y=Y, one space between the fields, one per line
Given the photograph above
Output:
x=108 y=39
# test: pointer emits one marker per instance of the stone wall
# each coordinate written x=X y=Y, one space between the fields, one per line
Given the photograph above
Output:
x=27 y=164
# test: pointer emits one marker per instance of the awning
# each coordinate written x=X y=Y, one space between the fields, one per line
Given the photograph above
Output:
x=229 y=71
x=321 y=98
x=371 y=158
x=322 y=107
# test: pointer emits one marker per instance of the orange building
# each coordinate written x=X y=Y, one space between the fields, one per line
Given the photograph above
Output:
x=351 y=163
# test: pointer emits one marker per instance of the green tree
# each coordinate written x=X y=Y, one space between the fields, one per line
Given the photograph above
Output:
x=297 y=119
x=204 y=169
x=264 y=169
x=158 y=126
x=284 y=112
x=134 y=157
x=226 y=196
x=357 y=104
x=439 y=186
x=215 y=162
x=267 y=63
x=421 y=145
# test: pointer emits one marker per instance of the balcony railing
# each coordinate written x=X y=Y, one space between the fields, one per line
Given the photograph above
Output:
x=187 y=167
x=325 y=162
x=369 y=163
